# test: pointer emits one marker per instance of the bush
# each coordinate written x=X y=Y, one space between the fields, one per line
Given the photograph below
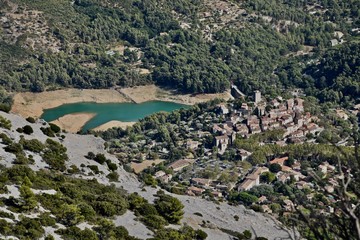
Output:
x=29 y=228
x=28 y=129
x=100 y=158
x=47 y=220
x=5 y=139
x=30 y=119
x=49 y=237
x=5 y=107
x=48 y=132
x=73 y=169
x=20 y=130
x=154 y=221
x=21 y=159
x=33 y=145
x=112 y=166
x=5 y=123
x=94 y=168
x=90 y=155
x=55 y=128
x=169 y=207
x=200 y=234
x=247 y=198
x=113 y=176
x=15 y=148
x=5 y=227
x=7 y=215
x=275 y=167
x=55 y=155
x=247 y=234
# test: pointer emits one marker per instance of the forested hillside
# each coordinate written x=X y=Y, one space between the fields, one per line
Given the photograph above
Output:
x=191 y=45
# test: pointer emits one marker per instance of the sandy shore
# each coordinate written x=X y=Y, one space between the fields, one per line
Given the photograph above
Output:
x=151 y=93
x=112 y=124
x=73 y=122
x=33 y=104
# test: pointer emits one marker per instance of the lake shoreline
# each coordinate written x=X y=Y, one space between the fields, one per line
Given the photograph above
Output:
x=73 y=122
x=112 y=124
x=28 y=104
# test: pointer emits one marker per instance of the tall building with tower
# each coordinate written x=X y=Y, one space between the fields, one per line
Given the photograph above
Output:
x=257 y=96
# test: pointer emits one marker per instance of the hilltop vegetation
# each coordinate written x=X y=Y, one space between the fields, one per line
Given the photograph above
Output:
x=97 y=44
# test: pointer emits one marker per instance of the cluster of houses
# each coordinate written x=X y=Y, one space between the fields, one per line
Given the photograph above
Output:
x=251 y=118
x=262 y=116
x=223 y=124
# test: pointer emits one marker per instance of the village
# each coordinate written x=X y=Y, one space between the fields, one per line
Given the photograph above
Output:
x=211 y=163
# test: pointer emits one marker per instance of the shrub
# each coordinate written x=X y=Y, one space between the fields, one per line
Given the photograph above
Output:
x=20 y=130
x=169 y=207
x=29 y=228
x=275 y=167
x=5 y=227
x=90 y=155
x=7 y=215
x=55 y=155
x=47 y=131
x=73 y=169
x=100 y=158
x=5 y=139
x=247 y=198
x=30 y=119
x=15 y=148
x=112 y=166
x=21 y=159
x=47 y=220
x=5 y=107
x=33 y=145
x=154 y=221
x=86 y=211
x=5 y=123
x=200 y=234
x=94 y=168
x=28 y=129
x=247 y=234
x=55 y=128
x=113 y=176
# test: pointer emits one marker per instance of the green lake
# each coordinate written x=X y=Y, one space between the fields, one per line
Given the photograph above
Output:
x=105 y=112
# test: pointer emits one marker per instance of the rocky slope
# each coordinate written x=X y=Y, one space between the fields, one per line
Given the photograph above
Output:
x=215 y=216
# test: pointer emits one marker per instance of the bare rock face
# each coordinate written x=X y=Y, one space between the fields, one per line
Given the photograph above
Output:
x=209 y=217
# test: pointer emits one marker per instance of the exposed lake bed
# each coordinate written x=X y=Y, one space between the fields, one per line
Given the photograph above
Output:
x=37 y=104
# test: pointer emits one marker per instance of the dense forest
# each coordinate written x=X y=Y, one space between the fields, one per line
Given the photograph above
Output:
x=275 y=42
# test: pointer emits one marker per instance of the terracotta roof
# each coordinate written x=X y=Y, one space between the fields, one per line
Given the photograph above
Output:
x=247 y=183
x=202 y=181
x=279 y=160
x=179 y=164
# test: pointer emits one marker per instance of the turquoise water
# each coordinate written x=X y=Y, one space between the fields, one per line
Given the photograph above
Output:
x=105 y=112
